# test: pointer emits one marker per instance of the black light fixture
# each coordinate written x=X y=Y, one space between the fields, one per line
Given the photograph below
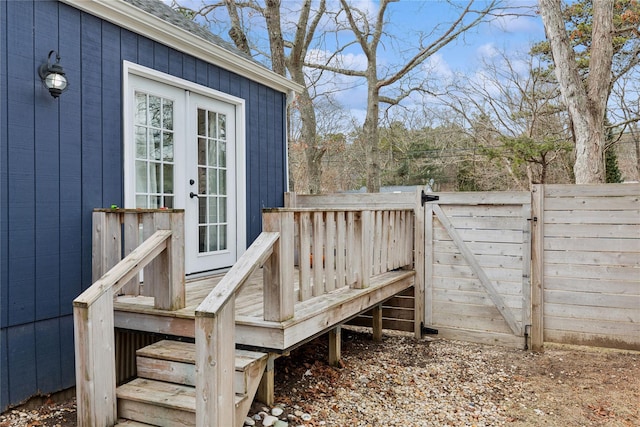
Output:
x=53 y=76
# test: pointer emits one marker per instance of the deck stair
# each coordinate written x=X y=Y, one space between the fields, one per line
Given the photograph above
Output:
x=163 y=394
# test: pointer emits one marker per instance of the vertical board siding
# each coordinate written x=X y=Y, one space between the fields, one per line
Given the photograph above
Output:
x=61 y=158
x=67 y=363
x=591 y=265
x=71 y=210
x=21 y=362
x=20 y=163
x=4 y=368
x=47 y=341
x=47 y=178
x=4 y=191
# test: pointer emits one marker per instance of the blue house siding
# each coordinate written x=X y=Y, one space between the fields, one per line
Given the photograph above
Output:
x=60 y=159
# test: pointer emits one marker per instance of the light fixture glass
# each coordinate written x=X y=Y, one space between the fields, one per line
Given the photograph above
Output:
x=53 y=76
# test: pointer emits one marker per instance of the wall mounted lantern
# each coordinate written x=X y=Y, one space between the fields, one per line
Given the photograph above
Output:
x=53 y=76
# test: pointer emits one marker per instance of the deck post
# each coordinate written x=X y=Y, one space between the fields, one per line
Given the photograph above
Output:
x=537 y=268
x=363 y=235
x=419 y=263
x=95 y=364
x=279 y=269
x=377 y=322
x=215 y=355
x=266 y=389
x=106 y=242
x=173 y=298
x=335 y=346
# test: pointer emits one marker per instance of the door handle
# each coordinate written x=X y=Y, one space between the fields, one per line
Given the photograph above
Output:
x=192 y=195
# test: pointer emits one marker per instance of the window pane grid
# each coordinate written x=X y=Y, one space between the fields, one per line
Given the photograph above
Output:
x=212 y=180
x=154 y=151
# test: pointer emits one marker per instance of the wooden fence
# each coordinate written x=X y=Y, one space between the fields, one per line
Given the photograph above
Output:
x=586 y=264
x=560 y=264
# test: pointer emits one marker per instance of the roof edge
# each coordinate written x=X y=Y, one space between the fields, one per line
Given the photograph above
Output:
x=137 y=20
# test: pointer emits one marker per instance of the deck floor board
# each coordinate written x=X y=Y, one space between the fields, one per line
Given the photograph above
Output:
x=311 y=316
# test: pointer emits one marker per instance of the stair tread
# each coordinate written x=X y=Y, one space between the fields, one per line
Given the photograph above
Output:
x=159 y=393
x=185 y=352
x=162 y=393
x=131 y=423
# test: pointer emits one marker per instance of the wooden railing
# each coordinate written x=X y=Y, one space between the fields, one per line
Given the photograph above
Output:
x=215 y=333
x=335 y=248
x=161 y=255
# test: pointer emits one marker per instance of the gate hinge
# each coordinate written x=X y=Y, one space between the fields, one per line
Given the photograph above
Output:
x=427 y=331
x=534 y=219
x=424 y=197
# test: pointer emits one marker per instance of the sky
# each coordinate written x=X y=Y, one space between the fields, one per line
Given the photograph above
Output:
x=408 y=21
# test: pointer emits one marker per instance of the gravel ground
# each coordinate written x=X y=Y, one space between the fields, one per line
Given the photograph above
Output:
x=434 y=382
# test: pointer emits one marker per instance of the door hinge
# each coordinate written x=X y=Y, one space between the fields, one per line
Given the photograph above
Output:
x=427 y=331
x=424 y=197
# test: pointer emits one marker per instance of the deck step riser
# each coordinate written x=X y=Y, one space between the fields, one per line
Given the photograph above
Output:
x=180 y=373
x=149 y=413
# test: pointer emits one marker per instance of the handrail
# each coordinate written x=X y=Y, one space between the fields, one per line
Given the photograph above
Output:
x=126 y=269
x=93 y=318
x=215 y=336
x=231 y=283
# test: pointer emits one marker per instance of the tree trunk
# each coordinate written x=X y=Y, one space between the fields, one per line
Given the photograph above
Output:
x=586 y=105
x=370 y=128
x=276 y=41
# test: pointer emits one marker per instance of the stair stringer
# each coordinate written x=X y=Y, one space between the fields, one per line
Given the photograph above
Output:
x=253 y=376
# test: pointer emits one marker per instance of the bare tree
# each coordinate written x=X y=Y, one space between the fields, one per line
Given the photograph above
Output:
x=526 y=123
x=380 y=88
x=586 y=102
x=285 y=54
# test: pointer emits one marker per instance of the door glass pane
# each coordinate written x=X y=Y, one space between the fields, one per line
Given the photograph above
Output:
x=222 y=209
x=141 y=177
x=222 y=243
x=222 y=154
x=154 y=111
x=212 y=161
x=213 y=238
x=212 y=125
x=167 y=146
x=141 y=142
x=202 y=123
x=222 y=126
x=167 y=179
x=167 y=114
x=141 y=108
x=154 y=151
x=202 y=151
x=212 y=166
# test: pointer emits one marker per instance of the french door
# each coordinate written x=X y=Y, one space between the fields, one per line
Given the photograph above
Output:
x=180 y=152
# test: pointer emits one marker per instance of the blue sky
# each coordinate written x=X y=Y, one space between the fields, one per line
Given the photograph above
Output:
x=408 y=20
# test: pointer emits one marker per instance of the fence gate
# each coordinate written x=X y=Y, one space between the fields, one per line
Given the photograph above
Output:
x=477 y=267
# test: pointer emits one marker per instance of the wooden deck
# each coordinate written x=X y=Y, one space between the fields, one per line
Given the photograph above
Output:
x=307 y=273
x=311 y=317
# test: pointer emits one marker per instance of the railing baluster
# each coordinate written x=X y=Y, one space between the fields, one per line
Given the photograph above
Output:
x=329 y=252
x=304 y=260
x=377 y=239
x=341 y=241
x=318 y=254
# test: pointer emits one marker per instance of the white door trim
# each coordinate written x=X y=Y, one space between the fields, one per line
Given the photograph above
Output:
x=131 y=69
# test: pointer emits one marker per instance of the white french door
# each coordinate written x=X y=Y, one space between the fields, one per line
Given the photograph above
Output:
x=211 y=213
x=180 y=152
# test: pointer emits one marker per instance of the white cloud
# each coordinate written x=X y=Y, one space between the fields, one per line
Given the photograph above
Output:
x=437 y=66
x=487 y=50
